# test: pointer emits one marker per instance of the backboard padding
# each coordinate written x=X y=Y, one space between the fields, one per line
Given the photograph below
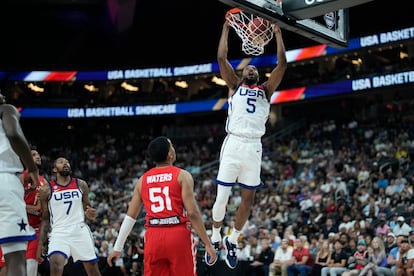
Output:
x=335 y=34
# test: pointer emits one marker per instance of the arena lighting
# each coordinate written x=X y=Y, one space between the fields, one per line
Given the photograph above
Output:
x=129 y=87
x=181 y=84
x=218 y=81
x=91 y=88
x=403 y=55
x=357 y=61
x=36 y=88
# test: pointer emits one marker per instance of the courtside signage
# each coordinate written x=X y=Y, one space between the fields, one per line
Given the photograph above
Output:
x=343 y=87
x=387 y=37
x=160 y=72
x=123 y=111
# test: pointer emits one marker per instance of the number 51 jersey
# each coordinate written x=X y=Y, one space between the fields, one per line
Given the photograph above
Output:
x=161 y=195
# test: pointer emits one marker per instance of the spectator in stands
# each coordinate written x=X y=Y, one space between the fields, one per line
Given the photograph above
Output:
x=391 y=190
x=307 y=174
x=346 y=223
x=132 y=253
x=345 y=240
x=405 y=262
x=363 y=196
x=301 y=260
x=382 y=182
x=371 y=209
x=363 y=174
x=390 y=242
x=328 y=227
x=358 y=260
x=322 y=259
x=274 y=239
x=393 y=254
x=283 y=258
x=382 y=228
x=293 y=212
x=254 y=246
x=260 y=264
x=337 y=263
x=331 y=206
x=377 y=259
x=289 y=234
x=313 y=245
x=244 y=250
x=402 y=228
x=394 y=221
x=383 y=204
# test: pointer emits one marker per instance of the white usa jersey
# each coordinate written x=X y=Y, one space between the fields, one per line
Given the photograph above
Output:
x=65 y=204
x=248 y=111
x=9 y=160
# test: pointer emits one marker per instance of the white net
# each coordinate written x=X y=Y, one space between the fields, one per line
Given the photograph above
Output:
x=255 y=32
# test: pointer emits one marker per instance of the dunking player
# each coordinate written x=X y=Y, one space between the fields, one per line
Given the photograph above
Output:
x=64 y=206
x=241 y=151
x=14 y=149
x=31 y=198
x=171 y=210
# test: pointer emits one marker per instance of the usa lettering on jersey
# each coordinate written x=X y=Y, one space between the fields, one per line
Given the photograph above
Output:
x=66 y=195
x=255 y=92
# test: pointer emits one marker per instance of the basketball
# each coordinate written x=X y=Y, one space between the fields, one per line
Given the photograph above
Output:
x=258 y=26
x=258 y=31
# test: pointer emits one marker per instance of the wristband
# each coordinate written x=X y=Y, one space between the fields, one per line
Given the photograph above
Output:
x=123 y=233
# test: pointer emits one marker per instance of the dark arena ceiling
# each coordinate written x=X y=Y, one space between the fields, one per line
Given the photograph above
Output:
x=104 y=34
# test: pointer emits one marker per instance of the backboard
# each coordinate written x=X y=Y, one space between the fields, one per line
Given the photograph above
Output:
x=324 y=21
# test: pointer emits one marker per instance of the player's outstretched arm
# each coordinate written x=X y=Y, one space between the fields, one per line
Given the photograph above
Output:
x=226 y=69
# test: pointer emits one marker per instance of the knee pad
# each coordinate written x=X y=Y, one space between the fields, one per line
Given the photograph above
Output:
x=219 y=207
x=31 y=265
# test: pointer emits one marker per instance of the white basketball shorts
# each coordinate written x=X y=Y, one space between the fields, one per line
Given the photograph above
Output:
x=240 y=161
x=74 y=240
x=14 y=226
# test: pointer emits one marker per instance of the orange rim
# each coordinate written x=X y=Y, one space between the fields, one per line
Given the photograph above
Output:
x=233 y=11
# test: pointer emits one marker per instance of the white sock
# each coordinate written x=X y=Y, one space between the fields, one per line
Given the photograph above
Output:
x=234 y=236
x=216 y=235
x=31 y=266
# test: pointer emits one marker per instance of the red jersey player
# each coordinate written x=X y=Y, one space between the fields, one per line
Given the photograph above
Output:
x=31 y=197
x=166 y=192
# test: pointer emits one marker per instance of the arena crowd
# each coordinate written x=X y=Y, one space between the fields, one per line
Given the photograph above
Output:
x=326 y=180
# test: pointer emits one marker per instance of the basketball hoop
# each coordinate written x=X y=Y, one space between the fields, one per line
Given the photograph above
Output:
x=255 y=32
